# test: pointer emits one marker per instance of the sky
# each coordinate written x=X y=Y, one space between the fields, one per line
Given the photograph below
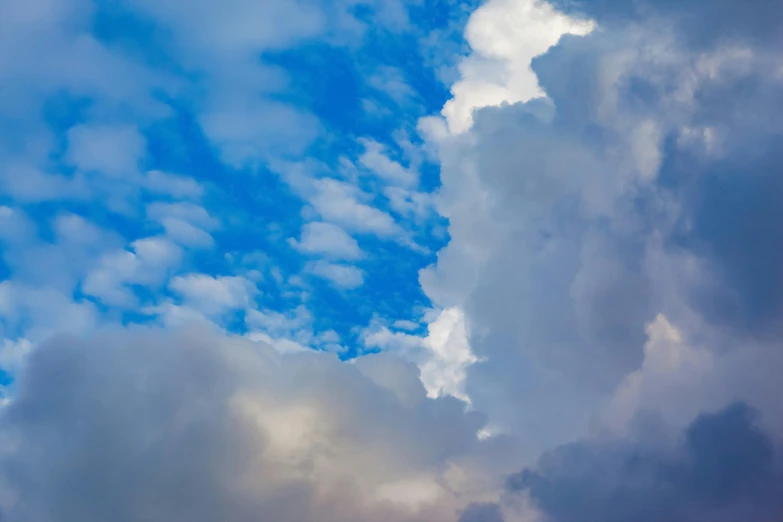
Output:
x=391 y=260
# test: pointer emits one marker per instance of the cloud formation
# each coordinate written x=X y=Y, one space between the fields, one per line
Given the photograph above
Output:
x=160 y=425
x=610 y=173
x=723 y=469
x=641 y=187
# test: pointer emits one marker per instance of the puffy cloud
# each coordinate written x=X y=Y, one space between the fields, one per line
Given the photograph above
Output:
x=165 y=426
x=112 y=151
x=343 y=276
x=36 y=314
x=187 y=224
x=341 y=203
x=148 y=262
x=328 y=240
x=375 y=159
x=248 y=133
x=643 y=184
x=505 y=36
x=723 y=469
x=443 y=355
x=178 y=187
x=213 y=296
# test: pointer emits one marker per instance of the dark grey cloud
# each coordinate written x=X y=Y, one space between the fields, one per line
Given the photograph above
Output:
x=724 y=469
x=701 y=22
x=728 y=202
x=482 y=512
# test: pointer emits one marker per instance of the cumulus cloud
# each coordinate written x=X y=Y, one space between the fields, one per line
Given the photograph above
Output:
x=610 y=173
x=341 y=275
x=723 y=469
x=113 y=151
x=641 y=187
x=342 y=203
x=147 y=262
x=166 y=426
x=443 y=355
x=505 y=36
x=328 y=240
x=214 y=295
x=376 y=160
x=187 y=224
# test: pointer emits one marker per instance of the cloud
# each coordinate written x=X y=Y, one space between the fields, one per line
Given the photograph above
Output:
x=190 y=425
x=112 y=151
x=505 y=36
x=36 y=314
x=443 y=355
x=724 y=469
x=342 y=203
x=178 y=187
x=641 y=187
x=343 y=276
x=391 y=82
x=248 y=133
x=148 y=262
x=213 y=296
x=187 y=224
x=328 y=240
x=375 y=159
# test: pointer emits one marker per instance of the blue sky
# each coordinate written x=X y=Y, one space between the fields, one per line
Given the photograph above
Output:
x=352 y=103
x=390 y=260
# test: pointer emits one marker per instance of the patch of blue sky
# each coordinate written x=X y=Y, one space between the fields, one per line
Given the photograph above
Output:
x=375 y=90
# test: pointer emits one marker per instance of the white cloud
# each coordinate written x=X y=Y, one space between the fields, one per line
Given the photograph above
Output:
x=110 y=150
x=447 y=357
x=249 y=133
x=342 y=276
x=280 y=324
x=341 y=203
x=290 y=331
x=375 y=159
x=236 y=28
x=27 y=183
x=36 y=314
x=391 y=81
x=148 y=262
x=13 y=354
x=15 y=226
x=409 y=203
x=178 y=187
x=328 y=240
x=442 y=356
x=404 y=324
x=505 y=36
x=213 y=296
x=185 y=223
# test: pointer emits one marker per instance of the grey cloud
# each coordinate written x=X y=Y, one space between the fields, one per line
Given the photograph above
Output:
x=159 y=426
x=652 y=189
x=723 y=469
x=701 y=22
x=482 y=512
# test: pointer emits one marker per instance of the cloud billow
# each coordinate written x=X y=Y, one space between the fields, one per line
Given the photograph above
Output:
x=646 y=194
x=158 y=426
x=723 y=469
